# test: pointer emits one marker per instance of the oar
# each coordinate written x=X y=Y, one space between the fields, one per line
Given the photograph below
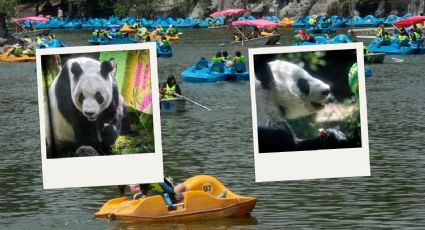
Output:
x=194 y=102
x=396 y=59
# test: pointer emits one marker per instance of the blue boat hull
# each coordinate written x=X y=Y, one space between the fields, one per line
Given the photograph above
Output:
x=393 y=48
x=204 y=75
x=111 y=42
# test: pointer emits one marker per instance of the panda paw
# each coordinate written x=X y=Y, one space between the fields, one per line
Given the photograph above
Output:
x=109 y=134
x=333 y=138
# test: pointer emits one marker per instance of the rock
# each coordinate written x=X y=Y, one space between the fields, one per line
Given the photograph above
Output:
x=322 y=7
x=295 y=9
x=2 y=41
x=86 y=151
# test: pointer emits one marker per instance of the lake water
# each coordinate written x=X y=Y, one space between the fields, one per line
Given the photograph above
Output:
x=219 y=143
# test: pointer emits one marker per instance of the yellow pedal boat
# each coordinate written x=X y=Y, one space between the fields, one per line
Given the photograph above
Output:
x=127 y=29
x=158 y=37
x=206 y=198
x=286 y=23
x=7 y=56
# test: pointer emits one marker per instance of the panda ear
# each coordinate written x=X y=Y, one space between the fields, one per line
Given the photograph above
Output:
x=262 y=69
x=105 y=68
x=76 y=70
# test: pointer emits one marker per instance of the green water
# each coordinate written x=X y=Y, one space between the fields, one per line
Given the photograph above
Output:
x=219 y=143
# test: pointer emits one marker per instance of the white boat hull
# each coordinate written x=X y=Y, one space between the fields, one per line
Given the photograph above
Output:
x=261 y=41
x=173 y=105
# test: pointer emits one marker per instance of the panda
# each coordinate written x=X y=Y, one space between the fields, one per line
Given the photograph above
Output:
x=85 y=108
x=286 y=91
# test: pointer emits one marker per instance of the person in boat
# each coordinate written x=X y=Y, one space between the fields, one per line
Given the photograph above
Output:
x=312 y=21
x=171 y=88
x=166 y=187
x=239 y=58
x=305 y=37
x=39 y=41
x=118 y=34
x=381 y=30
x=17 y=51
x=164 y=41
x=217 y=59
x=171 y=31
x=327 y=35
x=136 y=24
x=225 y=57
x=415 y=37
x=159 y=30
x=201 y=64
x=27 y=40
x=142 y=32
x=326 y=22
x=386 y=40
x=255 y=33
x=237 y=37
x=30 y=50
x=212 y=23
x=403 y=39
x=95 y=34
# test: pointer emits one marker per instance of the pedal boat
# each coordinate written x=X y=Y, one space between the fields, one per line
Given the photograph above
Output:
x=206 y=198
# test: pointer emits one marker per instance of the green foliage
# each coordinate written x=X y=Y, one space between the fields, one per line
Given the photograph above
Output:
x=7 y=7
x=121 y=9
x=311 y=60
x=142 y=143
x=146 y=8
x=352 y=124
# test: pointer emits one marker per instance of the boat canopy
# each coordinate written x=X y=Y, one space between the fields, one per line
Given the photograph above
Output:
x=34 y=19
x=410 y=21
x=228 y=11
x=258 y=23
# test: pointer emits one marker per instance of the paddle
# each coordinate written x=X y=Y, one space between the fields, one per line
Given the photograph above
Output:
x=194 y=102
x=395 y=59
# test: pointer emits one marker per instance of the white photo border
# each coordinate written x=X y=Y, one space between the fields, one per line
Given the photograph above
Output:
x=102 y=170
x=299 y=165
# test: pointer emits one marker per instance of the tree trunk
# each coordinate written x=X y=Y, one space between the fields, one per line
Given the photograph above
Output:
x=4 y=33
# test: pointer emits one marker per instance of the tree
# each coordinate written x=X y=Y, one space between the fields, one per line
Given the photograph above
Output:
x=7 y=9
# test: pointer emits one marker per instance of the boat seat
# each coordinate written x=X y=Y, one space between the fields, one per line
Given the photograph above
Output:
x=217 y=67
x=165 y=48
x=240 y=67
x=222 y=194
x=201 y=64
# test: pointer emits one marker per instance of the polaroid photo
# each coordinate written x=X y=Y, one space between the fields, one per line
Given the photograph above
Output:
x=99 y=115
x=309 y=112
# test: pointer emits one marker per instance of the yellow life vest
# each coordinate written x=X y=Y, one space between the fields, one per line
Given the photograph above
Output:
x=169 y=91
x=240 y=59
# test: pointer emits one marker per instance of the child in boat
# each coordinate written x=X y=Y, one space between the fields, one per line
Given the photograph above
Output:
x=403 y=39
x=225 y=58
x=164 y=41
x=381 y=30
x=237 y=37
x=217 y=59
x=171 y=88
x=171 y=31
x=239 y=58
x=146 y=190
x=386 y=40
x=255 y=33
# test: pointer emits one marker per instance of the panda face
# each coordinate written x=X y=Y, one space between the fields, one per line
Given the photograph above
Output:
x=91 y=86
x=295 y=91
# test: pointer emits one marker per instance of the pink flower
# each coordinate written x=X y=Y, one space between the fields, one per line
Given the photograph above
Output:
x=145 y=77
x=147 y=100
x=138 y=76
